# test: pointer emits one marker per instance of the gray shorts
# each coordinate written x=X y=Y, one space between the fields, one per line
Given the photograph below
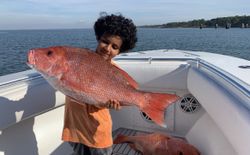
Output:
x=81 y=149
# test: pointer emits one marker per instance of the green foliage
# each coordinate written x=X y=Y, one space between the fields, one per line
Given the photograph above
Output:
x=234 y=21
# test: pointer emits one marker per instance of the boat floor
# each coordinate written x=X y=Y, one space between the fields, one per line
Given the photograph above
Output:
x=125 y=149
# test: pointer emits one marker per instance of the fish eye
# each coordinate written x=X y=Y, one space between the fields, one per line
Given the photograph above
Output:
x=49 y=53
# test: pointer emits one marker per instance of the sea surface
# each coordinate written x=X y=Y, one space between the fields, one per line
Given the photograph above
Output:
x=14 y=44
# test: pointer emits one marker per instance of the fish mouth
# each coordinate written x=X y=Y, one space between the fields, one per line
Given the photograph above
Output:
x=31 y=58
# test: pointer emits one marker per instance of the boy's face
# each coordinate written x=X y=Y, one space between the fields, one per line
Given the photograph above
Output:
x=109 y=46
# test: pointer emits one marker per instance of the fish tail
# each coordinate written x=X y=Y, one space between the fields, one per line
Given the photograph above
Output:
x=120 y=139
x=156 y=105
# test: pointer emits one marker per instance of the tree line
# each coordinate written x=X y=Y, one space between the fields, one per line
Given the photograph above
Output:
x=226 y=22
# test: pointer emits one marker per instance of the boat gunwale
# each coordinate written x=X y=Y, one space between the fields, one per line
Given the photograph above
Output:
x=234 y=81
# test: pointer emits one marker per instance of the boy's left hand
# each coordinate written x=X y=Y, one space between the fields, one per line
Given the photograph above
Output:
x=113 y=104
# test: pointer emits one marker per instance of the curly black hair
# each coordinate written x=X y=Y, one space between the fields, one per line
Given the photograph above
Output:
x=117 y=25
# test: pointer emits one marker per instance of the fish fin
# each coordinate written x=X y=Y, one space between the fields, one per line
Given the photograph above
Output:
x=157 y=103
x=120 y=139
x=131 y=81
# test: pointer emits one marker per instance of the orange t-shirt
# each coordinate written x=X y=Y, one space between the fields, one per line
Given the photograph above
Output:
x=87 y=124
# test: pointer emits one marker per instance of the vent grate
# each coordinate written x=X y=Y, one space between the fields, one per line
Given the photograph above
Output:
x=146 y=117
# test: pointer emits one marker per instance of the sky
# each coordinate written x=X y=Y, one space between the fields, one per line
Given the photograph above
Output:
x=60 y=14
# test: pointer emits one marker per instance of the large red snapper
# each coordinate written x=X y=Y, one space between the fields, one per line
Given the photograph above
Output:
x=158 y=144
x=85 y=76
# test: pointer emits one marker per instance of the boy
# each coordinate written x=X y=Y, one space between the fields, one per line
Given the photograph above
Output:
x=89 y=128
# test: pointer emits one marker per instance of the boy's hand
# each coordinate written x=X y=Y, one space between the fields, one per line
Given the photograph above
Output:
x=113 y=104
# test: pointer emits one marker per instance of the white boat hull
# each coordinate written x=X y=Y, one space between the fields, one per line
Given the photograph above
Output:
x=31 y=112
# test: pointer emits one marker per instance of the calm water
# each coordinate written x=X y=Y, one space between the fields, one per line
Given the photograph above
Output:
x=15 y=44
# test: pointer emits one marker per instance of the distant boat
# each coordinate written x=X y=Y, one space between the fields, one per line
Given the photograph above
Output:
x=242 y=25
x=228 y=26
x=201 y=26
x=216 y=26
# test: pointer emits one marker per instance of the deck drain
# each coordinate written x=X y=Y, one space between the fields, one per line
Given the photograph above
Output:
x=189 y=104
